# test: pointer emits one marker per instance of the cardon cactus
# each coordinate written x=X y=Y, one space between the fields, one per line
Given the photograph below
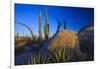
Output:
x=40 y=23
x=46 y=31
x=46 y=27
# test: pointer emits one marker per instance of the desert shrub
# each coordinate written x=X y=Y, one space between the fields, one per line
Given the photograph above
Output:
x=39 y=59
x=59 y=55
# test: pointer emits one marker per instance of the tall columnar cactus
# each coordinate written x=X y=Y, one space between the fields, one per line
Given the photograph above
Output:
x=46 y=26
x=46 y=31
x=40 y=23
x=17 y=34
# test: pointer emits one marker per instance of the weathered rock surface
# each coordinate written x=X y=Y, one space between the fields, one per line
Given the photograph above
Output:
x=86 y=37
x=64 y=38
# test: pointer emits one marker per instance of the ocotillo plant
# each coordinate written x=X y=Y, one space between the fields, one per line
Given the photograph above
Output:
x=65 y=27
x=59 y=25
x=40 y=23
x=31 y=32
x=46 y=27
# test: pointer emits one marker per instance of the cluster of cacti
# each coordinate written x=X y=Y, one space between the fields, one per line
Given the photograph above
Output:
x=46 y=26
x=40 y=23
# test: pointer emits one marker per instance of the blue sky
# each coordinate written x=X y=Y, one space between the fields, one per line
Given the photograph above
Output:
x=75 y=17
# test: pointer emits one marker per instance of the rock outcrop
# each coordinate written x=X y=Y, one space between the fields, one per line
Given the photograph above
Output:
x=64 y=38
x=86 y=38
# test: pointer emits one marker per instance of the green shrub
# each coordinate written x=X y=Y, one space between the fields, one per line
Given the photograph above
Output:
x=38 y=59
x=59 y=55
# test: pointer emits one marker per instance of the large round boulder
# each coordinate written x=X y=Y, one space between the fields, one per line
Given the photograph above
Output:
x=64 y=38
x=86 y=37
